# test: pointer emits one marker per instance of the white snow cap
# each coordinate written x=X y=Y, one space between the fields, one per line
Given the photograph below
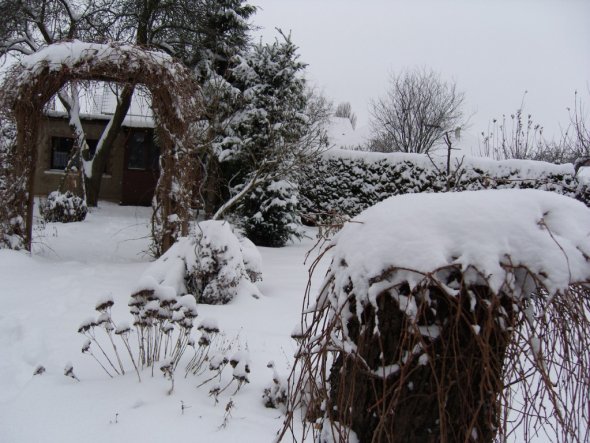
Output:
x=72 y=52
x=546 y=232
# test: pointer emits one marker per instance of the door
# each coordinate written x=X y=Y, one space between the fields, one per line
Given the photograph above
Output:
x=140 y=169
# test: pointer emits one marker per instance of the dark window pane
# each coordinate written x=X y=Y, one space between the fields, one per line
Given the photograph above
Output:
x=138 y=148
x=62 y=148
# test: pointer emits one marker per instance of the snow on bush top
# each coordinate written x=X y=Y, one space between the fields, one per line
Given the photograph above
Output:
x=529 y=168
x=212 y=264
x=490 y=231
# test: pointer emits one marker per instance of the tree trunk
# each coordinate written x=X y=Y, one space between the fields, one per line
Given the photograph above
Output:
x=105 y=148
x=212 y=187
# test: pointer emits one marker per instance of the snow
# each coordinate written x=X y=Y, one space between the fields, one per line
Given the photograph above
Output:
x=74 y=52
x=528 y=168
x=46 y=296
x=130 y=121
x=486 y=230
x=341 y=134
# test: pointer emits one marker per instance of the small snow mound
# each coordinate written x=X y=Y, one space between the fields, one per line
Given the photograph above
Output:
x=212 y=265
x=490 y=231
x=252 y=259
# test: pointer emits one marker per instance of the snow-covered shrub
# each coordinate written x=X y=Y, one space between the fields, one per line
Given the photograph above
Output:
x=219 y=266
x=444 y=308
x=344 y=183
x=63 y=207
x=275 y=394
x=210 y=265
x=269 y=214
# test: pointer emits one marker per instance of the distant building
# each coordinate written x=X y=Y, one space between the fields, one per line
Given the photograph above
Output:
x=131 y=172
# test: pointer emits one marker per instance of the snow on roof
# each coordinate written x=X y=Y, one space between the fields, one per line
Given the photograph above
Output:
x=130 y=121
x=543 y=231
x=341 y=133
x=527 y=168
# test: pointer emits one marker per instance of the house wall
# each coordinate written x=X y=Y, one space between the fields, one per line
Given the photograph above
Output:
x=48 y=180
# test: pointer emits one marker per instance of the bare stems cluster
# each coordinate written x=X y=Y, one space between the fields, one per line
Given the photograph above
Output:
x=162 y=335
x=441 y=356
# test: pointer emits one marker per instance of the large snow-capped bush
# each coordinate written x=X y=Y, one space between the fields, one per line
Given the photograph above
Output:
x=347 y=182
x=492 y=231
x=434 y=304
x=63 y=207
x=210 y=265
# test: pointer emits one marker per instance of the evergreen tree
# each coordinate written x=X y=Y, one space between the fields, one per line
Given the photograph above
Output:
x=273 y=117
x=267 y=140
x=270 y=214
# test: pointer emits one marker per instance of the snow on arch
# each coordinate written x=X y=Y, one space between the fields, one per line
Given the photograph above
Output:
x=492 y=231
x=176 y=103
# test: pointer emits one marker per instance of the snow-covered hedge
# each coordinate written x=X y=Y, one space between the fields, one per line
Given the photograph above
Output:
x=63 y=207
x=347 y=182
x=213 y=265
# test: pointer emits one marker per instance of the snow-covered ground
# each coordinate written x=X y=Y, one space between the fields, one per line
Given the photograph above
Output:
x=45 y=296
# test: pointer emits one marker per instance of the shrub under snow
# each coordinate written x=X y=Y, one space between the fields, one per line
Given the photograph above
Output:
x=436 y=305
x=210 y=265
x=269 y=214
x=63 y=207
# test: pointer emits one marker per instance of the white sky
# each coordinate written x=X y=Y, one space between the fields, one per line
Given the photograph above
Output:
x=494 y=50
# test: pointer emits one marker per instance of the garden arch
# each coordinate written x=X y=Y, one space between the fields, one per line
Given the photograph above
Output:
x=176 y=105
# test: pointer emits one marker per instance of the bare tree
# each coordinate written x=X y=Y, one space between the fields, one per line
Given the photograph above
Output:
x=417 y=110
x=344 y=110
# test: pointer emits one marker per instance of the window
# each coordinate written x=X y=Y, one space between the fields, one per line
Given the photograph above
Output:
x=142 y=153
x=62 y=148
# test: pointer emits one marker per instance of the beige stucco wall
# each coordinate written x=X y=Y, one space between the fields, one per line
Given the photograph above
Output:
x=47 y=180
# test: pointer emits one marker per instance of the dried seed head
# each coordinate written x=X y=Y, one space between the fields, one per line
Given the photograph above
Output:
x=123 y=328
x=204 y=340
x=86 y=346
x=104 y=304
x=86 y=325
x=69 y=372
x=103 y=318
x=187 y=323
x=217 y=362
x=209 y=326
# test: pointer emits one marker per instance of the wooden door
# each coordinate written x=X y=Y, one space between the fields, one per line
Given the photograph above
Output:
x=140 y=169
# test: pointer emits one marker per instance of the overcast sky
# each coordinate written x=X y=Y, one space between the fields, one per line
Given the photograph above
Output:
x=493 y=49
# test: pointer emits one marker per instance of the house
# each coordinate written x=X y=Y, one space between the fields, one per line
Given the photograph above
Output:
x=131 y=172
